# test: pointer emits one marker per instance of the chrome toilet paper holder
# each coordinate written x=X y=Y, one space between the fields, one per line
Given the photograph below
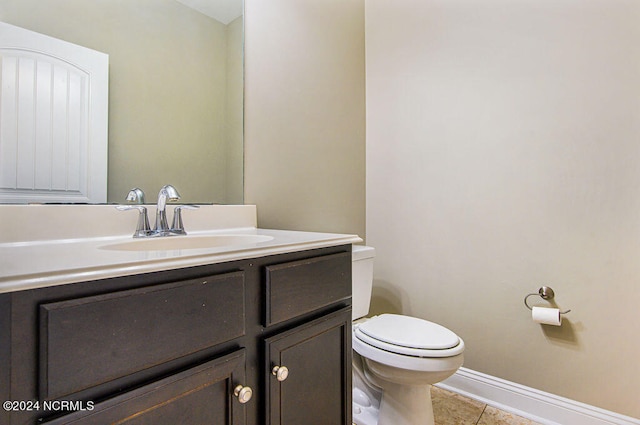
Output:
x=546 y=293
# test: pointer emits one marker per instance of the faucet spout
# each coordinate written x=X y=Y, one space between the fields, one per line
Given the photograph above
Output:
x=167 y=193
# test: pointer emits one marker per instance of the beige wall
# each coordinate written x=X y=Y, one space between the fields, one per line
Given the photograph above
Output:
x=304 y=114
x=234 y=121
x=503 y=143
x=167 y=94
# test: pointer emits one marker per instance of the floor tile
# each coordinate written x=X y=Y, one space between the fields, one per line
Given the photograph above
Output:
x=453 y=409
x=493 y=416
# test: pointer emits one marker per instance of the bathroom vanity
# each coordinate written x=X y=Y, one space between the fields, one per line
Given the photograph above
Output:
x=257 y=334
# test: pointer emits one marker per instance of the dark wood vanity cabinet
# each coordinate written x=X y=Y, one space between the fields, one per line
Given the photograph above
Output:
x=201 y=345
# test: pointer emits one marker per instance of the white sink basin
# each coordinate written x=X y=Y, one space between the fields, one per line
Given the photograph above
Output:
x=187 y=242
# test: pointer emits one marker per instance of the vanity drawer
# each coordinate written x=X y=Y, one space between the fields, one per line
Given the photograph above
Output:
x=88 y=341
x=302 y=286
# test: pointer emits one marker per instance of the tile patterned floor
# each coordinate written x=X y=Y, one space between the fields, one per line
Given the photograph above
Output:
x=453 y=409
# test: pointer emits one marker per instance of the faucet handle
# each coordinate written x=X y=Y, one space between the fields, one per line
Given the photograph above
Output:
x=142 y=229
x=177 y=227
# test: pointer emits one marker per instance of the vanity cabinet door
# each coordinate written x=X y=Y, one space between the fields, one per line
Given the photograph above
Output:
x=316 y=386
x=202 y=395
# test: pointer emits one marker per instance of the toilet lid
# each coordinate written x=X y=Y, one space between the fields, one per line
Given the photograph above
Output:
x=408 y=332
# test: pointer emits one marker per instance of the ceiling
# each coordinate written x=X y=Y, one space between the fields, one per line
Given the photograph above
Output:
x=224 y=11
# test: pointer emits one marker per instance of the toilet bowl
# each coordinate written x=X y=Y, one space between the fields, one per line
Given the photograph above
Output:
x=396 y=358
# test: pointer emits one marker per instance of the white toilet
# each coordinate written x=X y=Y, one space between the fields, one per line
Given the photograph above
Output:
x=396 y=358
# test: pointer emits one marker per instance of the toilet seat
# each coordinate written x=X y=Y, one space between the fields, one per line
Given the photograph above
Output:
x=409 y=336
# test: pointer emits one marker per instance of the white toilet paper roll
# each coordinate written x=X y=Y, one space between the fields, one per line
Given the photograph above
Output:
x=546 y=316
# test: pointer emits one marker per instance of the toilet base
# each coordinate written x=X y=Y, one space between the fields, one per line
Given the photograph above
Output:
x=406 y=405
x=364 y=411
x=397 y=404
x=366 y=398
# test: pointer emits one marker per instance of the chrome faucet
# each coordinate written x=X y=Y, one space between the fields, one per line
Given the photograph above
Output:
x=167 y=193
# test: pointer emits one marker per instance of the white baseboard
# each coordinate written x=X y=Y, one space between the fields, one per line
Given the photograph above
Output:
x=539 y=406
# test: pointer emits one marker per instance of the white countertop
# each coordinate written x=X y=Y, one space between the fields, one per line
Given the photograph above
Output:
x=41 y=263
x=28 y=265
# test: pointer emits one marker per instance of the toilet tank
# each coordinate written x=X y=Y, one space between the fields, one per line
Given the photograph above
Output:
x=362 y=279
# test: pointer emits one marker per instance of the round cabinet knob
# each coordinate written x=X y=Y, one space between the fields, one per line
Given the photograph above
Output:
x=280 y=372
x=244 y=394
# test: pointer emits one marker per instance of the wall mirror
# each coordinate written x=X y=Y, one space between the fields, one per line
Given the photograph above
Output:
x=175 y=88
